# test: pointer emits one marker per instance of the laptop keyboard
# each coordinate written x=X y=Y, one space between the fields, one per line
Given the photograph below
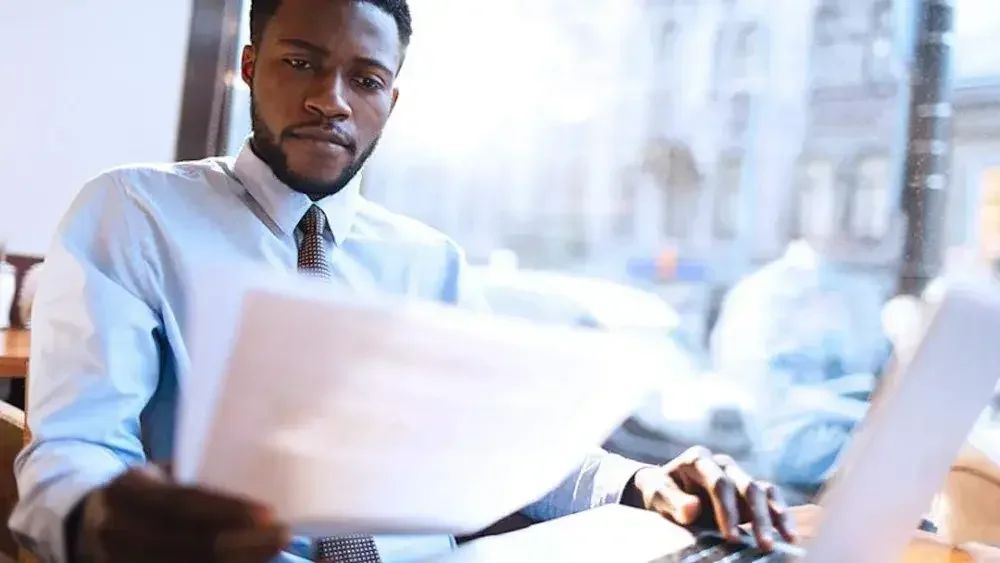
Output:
x=712 y=549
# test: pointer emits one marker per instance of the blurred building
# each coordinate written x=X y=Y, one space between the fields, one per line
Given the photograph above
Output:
x=727 y=101
x=798 y=131
x=679 y=144
x=848 y=177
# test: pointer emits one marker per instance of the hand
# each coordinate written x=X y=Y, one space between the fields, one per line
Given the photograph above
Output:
x=144 y=516
x=701 y=488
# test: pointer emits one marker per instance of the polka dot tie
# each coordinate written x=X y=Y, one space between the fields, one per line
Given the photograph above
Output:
x=314 y=260
x=314 y=251
x=356 y=548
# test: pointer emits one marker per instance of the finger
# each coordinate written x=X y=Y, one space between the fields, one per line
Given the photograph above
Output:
x=149 y=493
x=754 y=497
x=167 y=467
x=722 y=492
x=130 y=541
x=670 y=501
x=760 y=516
x=251 y=546
x=133 y=540
x=780 y=515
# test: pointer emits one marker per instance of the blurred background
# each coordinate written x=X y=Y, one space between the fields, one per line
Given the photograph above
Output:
x=769 y=185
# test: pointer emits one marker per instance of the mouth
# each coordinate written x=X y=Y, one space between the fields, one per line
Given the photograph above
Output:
x=326 y=139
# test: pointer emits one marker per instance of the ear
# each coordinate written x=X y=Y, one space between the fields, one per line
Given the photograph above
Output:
x=395 y=96
x=247 y=61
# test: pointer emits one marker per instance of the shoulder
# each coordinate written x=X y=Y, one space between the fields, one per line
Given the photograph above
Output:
x=125 y=197
x=152 y=181
x=429 y=251
x=376 y=221
x=115 y=213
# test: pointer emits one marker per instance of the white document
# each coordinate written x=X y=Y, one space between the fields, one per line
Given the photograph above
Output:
x=350 y=413
x=613 y=533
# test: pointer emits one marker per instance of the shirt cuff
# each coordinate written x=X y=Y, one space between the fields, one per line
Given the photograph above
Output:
x=613 y=475
x=52 y=487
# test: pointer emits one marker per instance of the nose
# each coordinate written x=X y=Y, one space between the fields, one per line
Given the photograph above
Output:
x=328 y=99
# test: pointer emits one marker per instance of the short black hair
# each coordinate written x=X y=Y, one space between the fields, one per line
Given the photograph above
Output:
x=262 y=10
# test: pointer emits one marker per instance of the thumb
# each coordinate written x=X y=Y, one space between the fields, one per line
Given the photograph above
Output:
x=662 y=495
x=679 y=506
x=164 y=470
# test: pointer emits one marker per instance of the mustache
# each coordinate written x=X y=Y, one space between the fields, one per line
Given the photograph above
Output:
x=327 y=132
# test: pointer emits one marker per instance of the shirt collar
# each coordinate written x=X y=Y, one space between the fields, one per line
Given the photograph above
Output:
x=285 y=206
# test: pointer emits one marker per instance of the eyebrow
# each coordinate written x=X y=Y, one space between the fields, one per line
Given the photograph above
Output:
x=301 y=44
x=323 y=51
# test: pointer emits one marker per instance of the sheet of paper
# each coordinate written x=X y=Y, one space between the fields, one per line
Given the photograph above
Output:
x=351 y=413
x=609 y=533
x=913 y=433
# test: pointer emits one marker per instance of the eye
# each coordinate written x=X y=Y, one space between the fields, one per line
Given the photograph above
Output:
x=299 y=64
x=368 y=83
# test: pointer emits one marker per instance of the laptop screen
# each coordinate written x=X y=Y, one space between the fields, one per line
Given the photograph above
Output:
x=913 y=432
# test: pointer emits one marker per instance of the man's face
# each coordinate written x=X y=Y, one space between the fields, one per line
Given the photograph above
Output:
x=322 y=82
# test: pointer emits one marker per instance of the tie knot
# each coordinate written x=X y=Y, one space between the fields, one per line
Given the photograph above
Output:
x=313 y=223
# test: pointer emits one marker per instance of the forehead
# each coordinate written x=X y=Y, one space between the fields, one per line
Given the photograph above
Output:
x=342 y=27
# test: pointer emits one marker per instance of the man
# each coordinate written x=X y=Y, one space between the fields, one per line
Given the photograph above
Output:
x=110 y=348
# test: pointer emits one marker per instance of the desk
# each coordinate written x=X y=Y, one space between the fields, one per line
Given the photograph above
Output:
x=14 y=349
x=620 y=534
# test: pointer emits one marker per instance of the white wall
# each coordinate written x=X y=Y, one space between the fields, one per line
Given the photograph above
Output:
x=84 y=85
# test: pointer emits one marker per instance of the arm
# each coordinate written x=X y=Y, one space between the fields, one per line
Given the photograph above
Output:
x=457 y=286
x=602 y=478
x=94 y=365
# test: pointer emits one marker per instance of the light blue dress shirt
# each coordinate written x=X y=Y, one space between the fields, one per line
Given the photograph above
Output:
x=109 y=348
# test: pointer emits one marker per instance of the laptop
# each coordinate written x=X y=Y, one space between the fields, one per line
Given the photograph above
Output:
x=889 y=475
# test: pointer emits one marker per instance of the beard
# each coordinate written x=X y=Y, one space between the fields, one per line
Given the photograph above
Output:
x=267 y=145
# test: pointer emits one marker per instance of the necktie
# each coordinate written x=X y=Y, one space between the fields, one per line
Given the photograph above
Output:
x=355 y=548
x=314 y=254
x=314 y=260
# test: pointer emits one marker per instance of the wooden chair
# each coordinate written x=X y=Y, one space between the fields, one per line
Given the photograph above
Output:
x=968 y=506
x=12 y=431
x=21 y=263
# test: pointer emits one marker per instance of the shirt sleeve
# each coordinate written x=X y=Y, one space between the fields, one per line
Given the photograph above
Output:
x=599 y=480
x=458 y=285
x=94 y=364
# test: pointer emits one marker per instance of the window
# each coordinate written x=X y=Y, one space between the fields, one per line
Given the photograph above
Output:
x=746 y=55
x=739 y=114
x=869 y=206
x=881 y=58
x=881 y=63
x=625 y=220
x=671 y=168
x=827 y=24
x=727 y=194
x=581 y=146
x=666 y=72
x=839 y=65
x=977 y=25
x=668 y=42
x=817 y=201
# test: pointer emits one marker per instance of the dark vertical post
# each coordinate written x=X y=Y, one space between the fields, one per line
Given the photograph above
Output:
x=211 y=58
x=926 y=173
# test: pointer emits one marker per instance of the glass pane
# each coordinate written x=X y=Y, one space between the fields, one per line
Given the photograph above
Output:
x=869 y=212
x=738 y=162
x=977 y=25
